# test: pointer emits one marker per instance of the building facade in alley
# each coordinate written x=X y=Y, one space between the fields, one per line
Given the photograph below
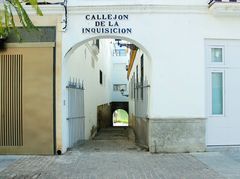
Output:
x=182 y=93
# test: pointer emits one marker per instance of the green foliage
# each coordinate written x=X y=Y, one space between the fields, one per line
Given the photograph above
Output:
x=7 y=9
x=120 y=116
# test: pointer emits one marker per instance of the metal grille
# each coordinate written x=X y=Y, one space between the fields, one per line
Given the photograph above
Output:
x=76 y=118
x=141 y=103
x=11 y=123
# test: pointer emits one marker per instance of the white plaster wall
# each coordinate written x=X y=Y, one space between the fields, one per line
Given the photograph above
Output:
x=84 y=65
x=175 y=42
x=119 y=76
x=178 y=80
x=147 y=76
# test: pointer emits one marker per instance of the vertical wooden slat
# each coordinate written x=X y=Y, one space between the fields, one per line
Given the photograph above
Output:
x=17 y=94
x=7 y=99
x=11 y=124
x=21 y=104
x=3 y=99
x=0 y=100
x=14 y=101
x=10 y=101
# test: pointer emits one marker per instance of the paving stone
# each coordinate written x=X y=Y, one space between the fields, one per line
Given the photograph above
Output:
x=221 y=162
x=113 y=159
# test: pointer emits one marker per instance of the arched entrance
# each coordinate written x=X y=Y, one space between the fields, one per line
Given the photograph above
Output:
x=83 y=65
x=120 y=118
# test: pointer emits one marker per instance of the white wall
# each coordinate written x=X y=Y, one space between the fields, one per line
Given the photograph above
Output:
x=147 y=76
x=119 y=76
x=173 y=37
x=85 y=65
x=175 y=42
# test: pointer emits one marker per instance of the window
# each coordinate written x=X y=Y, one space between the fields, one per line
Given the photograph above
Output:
x=118 y=87
x=142 y=75
x=97 y=43
x=217 y=82
x=100 y=77
x=119 y=52
x=217 y=55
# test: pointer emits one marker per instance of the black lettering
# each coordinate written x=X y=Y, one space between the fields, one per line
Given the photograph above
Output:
x=107 y=30
x=120 y=17
x=87 y=17
x=93 y=17
x=116 y=24
x=115 y=30
x=87 y=30
x=129 y=30
x=97 y=23
x=109 y=16
x=104 y=17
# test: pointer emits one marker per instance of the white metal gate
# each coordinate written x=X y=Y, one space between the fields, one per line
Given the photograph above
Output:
x=76 y=118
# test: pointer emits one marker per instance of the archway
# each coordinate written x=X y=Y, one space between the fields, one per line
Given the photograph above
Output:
x=120 y=118
x=71 y=49
x=74 y=66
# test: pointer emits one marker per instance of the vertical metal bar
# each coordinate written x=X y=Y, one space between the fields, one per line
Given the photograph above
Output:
x=7 y=100
x=10 y=100
x=75 y=113
x=3 y=96
x=21 y=102
x=16 y=100
x=4 y=99
x=68 y=116
x=1 y=114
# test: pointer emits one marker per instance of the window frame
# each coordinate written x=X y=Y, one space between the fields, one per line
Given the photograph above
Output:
x=211 y=92
x=216 y=64
x=118 y=85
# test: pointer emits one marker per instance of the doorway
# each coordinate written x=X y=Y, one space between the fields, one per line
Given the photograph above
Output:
x=106 y=66
x=120 y=118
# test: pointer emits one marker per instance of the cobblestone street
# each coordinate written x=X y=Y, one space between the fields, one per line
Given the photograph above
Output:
x=103 y=158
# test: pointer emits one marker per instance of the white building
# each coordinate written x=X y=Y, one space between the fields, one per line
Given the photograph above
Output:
x=120 y=60
x=183 y=80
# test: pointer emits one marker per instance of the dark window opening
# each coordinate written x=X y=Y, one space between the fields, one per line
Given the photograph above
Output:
x=100 y=77
x=97 y=43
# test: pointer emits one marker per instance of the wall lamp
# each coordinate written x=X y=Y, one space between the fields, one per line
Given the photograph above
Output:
x=122 y=91
x=130 y=46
